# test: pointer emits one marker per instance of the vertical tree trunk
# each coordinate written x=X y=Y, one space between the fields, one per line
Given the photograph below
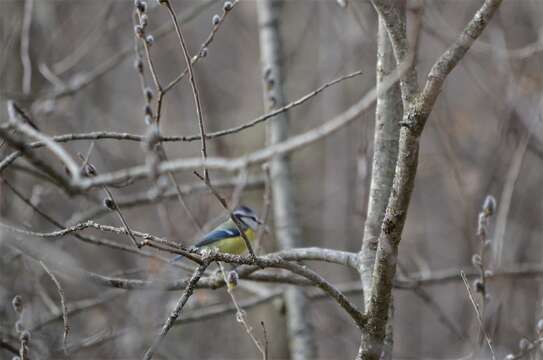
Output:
x=388 y=114
x=287 y=228
x=417 y=107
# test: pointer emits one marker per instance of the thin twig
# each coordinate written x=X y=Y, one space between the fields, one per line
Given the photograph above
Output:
x=110 y=200
x=121 y=216
x=213 y=311
x=177 y=311
x=78 y=306
x=98 y=338
x=195 y=93
x=203 y=48
x=179 y=192
x=151 y=65
x=14 y=113
x=22 y=149
x=148 y=239
x=143 y=198
x=25 y=47
x=260 y=156
x=97 y=135
x=240 y=313
x=478 y=313
x=506 y=197
x=312 y=253
x=266 y=207
x=110 y=63
x=266 y=344
x=89 y=239
x=160 y=150
x=432 y=304
x=63 y=304
x=277 y=111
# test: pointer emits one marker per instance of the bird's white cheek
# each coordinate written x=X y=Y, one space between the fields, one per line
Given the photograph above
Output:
x=251 y=223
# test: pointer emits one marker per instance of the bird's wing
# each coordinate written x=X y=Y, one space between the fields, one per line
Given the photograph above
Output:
x=217 y=235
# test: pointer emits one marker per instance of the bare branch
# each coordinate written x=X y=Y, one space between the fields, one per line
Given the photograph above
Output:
x=117 y=210
x=195 y=93
x=87 y=239
x=416 y=113
x=25 y=47
x=19 y=145
x=450 y=58
x=109 y=64
x=63 y=304
x=142 y=199
x=77 y=306
x=276 y=111
x=97 y=135
x=203 y=48
x=14 y=113
x=391 y=14
x=177 y=311
x=506 y=197
x=260 y=156
x=240 y=313
x=479 y=316
x=388 y=114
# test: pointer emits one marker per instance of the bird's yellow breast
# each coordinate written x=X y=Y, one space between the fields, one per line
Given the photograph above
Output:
x=233 y=245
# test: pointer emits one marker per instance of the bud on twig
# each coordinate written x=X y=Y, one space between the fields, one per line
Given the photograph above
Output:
x=138 y=65
x=109 y=203
x=216 y=19
x=90 y=170
x=489 y=206
x=140 y=5
x=138 y=29
x=17 y=303
x=148 y=94
x=476 y=260
x=232 y=280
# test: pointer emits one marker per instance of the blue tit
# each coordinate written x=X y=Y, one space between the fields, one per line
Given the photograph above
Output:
x=226 y=237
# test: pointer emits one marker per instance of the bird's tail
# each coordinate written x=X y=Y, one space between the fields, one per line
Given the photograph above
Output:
x=180 y=257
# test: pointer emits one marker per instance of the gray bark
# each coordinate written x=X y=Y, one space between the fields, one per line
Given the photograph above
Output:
x=287 y=228
x=417 y=107
x=388 y=114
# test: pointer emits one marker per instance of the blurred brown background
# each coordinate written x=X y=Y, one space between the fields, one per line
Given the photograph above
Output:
x=490 y=103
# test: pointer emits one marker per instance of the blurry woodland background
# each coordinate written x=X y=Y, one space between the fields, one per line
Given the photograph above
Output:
x=484 y=136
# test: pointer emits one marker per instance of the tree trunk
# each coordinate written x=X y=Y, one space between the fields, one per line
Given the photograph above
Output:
x=287 y=228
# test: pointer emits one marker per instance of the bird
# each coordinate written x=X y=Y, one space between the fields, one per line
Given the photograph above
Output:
x=226 y=237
